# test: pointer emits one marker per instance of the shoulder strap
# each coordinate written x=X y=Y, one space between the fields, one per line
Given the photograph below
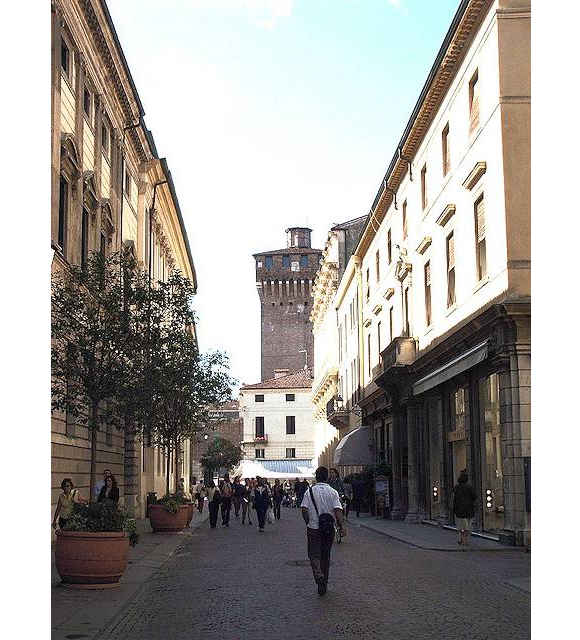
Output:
x=313 y=500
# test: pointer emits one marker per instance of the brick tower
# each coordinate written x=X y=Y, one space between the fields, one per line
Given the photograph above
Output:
x=284 y=282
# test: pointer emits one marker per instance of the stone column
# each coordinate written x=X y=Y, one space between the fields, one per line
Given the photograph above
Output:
x=55 y=121
x=396 y=501
x=413 y=514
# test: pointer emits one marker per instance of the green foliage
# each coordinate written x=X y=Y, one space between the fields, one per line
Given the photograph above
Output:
x=221 y=453
x=172 y=501
x=102 y=516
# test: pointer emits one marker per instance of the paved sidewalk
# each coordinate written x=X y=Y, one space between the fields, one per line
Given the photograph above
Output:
x=426 y=536
x=84 y=614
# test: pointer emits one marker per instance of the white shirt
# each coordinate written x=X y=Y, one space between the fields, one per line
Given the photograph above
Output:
x=327 y=500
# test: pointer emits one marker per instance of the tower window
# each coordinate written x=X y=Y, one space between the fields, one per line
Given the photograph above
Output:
x=303 y=260
x=286 y=261
x=269 y=262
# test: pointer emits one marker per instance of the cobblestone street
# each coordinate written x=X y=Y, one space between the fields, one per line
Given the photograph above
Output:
x=236 y=583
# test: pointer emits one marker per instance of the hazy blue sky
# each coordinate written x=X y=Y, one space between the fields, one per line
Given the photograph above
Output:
x=272 y=113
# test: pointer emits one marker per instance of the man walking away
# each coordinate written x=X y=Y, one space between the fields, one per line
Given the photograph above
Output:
x=239 y=490
x=226 y=491
x=358 y=492
x=277 y=496
x=464 y=498
x=213 y=497
x=246 y=502
x=261 y=503
x=319 y=505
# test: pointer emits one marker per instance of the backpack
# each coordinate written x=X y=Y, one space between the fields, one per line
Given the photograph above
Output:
x=325 y=520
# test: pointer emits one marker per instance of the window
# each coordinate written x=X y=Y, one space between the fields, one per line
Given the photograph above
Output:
x=290 y=397
x=450 y=270
x=269 y=262
x=390 y=324
x=389 y=247
x=260 y=453
x=378 y=265
x=127 y=183
x=65 y=58
x=105 y=140
x=286 y=262
x=428 y=293
x=87 y=100
x=474 y=102
x=369 y=355
x=480 y=252
x=424 y=186
x=379 y=340
x=62 y=212
x=259 y=426
x=445 y=149
x=259 y=398
x=303 y=260
x=405 y=220
x=368 y=294
x=290 y=425
x=291 y=453
x=406 y=312
x=84 y=238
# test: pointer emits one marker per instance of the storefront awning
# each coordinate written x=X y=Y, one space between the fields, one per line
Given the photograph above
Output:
x=283 y=469
x=353 y=449
x=464 y=362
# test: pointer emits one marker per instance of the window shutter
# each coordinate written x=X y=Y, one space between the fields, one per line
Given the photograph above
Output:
x=450 y=252
x=480 y=220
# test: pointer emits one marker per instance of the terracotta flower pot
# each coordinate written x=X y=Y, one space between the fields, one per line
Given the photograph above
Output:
x=91 y=560
x=163 y=521
x=190 y=514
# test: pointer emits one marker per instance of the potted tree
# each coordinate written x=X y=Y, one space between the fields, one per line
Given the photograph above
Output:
x=221 y=454
x=91 y=550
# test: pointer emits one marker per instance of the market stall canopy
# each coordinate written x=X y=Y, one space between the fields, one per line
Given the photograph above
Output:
x=353 y=449
x=283 y=469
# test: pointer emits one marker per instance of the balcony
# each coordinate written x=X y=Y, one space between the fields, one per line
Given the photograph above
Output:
x=336 y=414
x=260 y=439
x=396 y=360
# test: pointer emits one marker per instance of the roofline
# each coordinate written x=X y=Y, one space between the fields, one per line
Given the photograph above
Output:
x=289 y=250
x=339 y=226
x=180 y=218
x=123 y=59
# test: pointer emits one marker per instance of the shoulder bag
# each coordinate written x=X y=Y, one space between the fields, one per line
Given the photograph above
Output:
x=325 y=520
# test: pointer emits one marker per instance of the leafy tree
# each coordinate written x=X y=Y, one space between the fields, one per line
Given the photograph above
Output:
x=221 y=453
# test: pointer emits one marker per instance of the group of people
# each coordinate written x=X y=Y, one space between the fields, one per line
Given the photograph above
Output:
x=105 y=490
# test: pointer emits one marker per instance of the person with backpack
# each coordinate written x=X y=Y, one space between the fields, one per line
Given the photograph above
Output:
x=238 y=493
x=213 y=503
x=464 y=498
x=320 y=506
x=226 y=492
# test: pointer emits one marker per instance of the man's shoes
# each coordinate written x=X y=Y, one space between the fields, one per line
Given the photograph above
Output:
x=321 y=586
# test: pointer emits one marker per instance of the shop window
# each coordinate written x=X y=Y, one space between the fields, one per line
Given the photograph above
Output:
x=260 y=453
x=424 y=186
x=291 y=453
x=480 y=244
x=450 y=270
x=290 y=425
x=428 y=293
x=445 y=149
x=474 y=102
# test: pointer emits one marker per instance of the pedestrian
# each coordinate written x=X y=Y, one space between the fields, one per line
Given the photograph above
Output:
x=335 y=482
x=110 y=491
x=180 y=491
x=358 y=492
x=238 y=494
x=213 y=497
x=246 y=502
x=100 y=484
x=261 y=503
x=297 y=489
x=277 y=496
x=65 y=505
x=197 y=493
x=464 y=499
x=347 y=495
x=226 y=492
x=320 y=506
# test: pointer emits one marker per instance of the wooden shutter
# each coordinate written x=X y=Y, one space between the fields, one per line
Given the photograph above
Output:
x=480 y=219
x=450 y=252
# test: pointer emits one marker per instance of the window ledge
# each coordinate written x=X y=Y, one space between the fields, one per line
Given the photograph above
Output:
x=481 y=284
x=451 y=309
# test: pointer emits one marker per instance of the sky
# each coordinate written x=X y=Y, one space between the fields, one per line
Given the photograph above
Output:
x=271 y=114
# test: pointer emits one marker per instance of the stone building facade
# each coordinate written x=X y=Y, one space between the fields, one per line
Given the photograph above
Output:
x=434 y=305
x=284 y=282
x=109 y=189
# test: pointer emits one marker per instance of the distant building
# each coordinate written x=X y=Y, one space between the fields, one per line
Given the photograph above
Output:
x=284 y=282
x=277 y=421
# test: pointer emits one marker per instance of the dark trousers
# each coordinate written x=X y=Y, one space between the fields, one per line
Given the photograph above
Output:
x=200 y=503
x=319 y=553
x=226 y=508
x=277 y=504
x=236 y=502
x=261 y=512
x=213 y=513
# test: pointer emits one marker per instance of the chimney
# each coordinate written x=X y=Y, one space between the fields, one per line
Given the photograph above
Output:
x=279 y=373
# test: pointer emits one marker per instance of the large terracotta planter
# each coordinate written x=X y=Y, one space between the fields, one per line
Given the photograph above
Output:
x=163 y=521
x=190 y=514
x=91 y=560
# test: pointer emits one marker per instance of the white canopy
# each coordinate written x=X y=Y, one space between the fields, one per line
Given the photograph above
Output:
x=253 y=469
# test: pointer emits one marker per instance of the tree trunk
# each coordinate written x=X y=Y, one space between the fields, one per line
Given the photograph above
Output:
x=130 y=469
x=177 y=462
x=93 y=418
x=168 y=469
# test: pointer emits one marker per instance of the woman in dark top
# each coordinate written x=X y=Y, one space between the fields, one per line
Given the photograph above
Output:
x=110 y=491
x=464 y=498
